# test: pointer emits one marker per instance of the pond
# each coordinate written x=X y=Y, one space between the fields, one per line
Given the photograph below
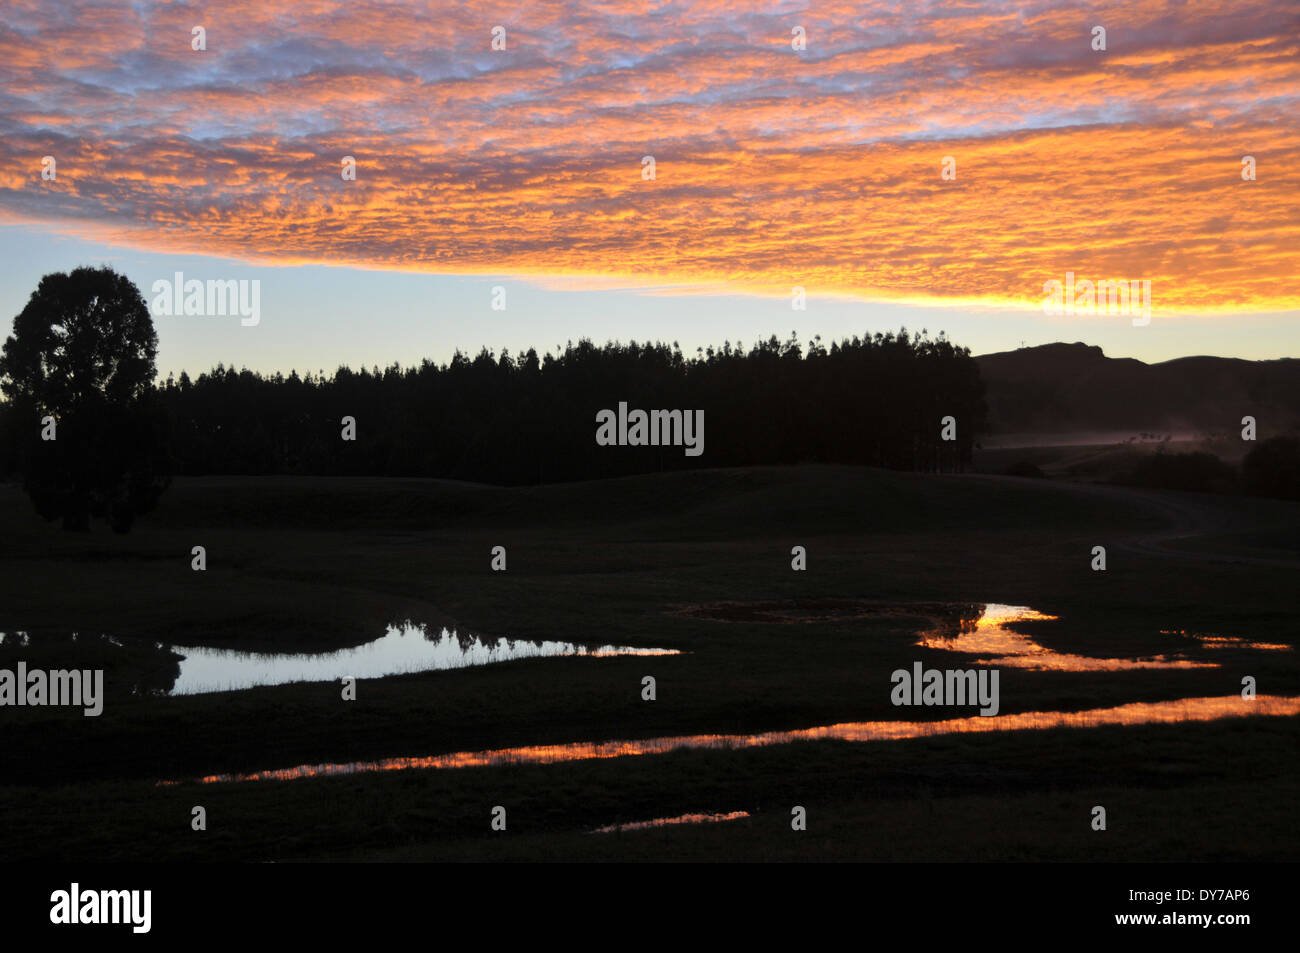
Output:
x=403 y=649
x=981 y=631
x=1137 y=713
x=400 y=651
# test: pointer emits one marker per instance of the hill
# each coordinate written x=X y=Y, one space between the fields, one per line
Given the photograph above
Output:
x=1076 y=389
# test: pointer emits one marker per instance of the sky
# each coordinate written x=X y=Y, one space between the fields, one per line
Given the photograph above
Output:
x=925 y=164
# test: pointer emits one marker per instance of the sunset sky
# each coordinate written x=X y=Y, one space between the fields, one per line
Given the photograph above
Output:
x=774 y=168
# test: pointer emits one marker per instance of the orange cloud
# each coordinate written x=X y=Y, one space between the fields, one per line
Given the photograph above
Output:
x=773 y=167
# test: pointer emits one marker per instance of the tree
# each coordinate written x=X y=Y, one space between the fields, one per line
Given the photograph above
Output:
x=78 y=371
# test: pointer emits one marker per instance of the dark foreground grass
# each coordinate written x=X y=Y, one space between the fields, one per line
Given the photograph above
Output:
x=1171 y=792
x=322 y=563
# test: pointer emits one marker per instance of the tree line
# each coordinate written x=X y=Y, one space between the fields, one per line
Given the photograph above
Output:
x=94 y=435
x=875 y=400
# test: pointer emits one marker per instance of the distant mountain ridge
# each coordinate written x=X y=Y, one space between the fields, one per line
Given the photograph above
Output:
x=1061 y=388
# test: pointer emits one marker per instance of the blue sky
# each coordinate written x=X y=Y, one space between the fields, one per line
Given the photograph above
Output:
x=317 y=317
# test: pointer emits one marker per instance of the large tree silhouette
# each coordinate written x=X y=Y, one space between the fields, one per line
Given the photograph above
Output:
x=89 y=435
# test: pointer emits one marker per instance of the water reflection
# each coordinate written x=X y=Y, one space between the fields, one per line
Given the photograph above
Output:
x=984 y=630
x=134 y=667
x=401 y=650
x=1228 y=641
x=159 y=669
x=972 y=628
x=1137 y=713
x=668 y=821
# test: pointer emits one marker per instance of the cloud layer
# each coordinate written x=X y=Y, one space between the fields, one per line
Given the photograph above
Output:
x=773 y=167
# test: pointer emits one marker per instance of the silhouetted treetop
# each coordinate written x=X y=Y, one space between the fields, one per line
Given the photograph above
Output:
x=526 y=418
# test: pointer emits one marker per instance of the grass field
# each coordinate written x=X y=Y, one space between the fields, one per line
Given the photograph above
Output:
x=315 y=563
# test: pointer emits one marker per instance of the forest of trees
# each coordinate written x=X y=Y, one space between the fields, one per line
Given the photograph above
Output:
x=876 y=400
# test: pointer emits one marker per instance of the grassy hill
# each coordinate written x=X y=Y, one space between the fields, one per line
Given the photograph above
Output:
x=315 y=563
x=1069 y=388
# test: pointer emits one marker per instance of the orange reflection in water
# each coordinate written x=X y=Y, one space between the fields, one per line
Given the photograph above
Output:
x=988 y=635
x=1136 y=713
x=666 y=821
x=1227 y=641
